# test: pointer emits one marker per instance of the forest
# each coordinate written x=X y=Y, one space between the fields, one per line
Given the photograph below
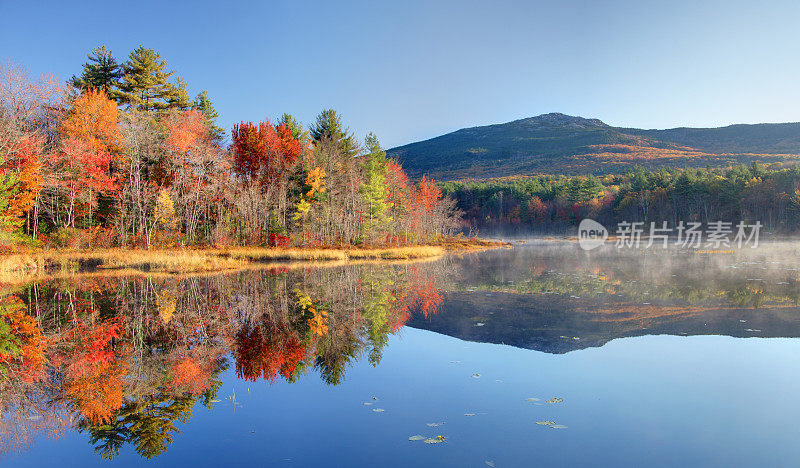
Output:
x=121 y=156
x=549 y=203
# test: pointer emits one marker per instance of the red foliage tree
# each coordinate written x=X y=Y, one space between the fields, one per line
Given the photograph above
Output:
x=264 y=152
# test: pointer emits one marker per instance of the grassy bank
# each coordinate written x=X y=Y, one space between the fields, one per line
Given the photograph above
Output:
x=37 y=262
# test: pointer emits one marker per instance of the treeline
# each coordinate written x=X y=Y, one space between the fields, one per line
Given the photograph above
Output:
x=751 y=193
x=120 y=156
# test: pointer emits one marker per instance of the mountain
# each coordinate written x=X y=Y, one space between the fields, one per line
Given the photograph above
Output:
x=559 y=143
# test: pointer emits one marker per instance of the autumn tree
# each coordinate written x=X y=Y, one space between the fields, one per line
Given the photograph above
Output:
x=262 y=157
x=20 y=180
x=92 y=118
x=195 y=171
x=29 y=113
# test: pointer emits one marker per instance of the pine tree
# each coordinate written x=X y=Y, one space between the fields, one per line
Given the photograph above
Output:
x=373 y=190
x=203 y=104
x=145 y=83
x=329 y=126
x=101 y=71
x=296 y=127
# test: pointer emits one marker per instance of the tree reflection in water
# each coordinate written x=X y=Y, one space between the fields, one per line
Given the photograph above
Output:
x=124 y=358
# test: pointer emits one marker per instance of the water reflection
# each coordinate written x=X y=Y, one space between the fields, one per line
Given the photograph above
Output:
x=556 y=298
x=124 y=359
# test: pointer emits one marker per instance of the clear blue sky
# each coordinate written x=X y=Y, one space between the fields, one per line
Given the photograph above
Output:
x=411 y=70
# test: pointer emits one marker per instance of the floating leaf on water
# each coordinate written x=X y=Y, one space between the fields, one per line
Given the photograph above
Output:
x=435 y=440
x=557 y=426
x=435 y=424
x=469 y=414
x=554 y=400
x=367 y=403
x=545 y=423
x=531 y=399
x=416 y=437
x=476 y=376
x=378 y=410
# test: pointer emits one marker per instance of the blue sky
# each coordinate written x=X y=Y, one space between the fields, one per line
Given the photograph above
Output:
x=411 y=70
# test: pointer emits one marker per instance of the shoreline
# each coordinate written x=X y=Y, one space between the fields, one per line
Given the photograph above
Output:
x=191 y=260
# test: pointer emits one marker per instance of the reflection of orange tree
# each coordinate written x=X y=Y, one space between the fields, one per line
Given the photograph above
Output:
x=22 y=347
x=93 y=373
x=21 y=342
x=423 y=294
x=266 y=349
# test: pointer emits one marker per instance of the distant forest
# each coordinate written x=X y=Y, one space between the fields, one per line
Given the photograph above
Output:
x=549 y=203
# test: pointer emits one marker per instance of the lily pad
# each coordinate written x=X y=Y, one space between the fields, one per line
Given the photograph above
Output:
x=545 y=423
x=378 y=410
x=416 y=437
x=555 y=400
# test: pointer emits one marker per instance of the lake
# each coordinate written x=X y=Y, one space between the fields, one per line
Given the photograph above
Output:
x=540 y=354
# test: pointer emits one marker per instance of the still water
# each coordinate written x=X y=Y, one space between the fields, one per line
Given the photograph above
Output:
x=624 y=358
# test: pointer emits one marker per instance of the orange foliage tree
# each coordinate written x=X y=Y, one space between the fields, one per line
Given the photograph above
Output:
x=20 y=180
x=92 y=119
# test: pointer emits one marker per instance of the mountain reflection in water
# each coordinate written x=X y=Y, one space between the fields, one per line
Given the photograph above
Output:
x=123 y=359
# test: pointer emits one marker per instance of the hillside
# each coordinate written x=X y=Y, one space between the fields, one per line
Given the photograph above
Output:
x=558 y=143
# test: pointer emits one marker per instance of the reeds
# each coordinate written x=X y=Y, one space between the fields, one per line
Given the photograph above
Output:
x=25 y=263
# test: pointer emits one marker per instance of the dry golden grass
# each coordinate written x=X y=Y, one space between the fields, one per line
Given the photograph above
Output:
x=28 y=263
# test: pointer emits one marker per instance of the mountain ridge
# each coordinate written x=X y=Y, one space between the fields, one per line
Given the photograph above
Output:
x=561 y=143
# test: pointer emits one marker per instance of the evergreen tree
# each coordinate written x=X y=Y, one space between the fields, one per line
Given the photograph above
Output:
x=203 y=104
x=101 y=71
x=295 y=126
x=145 y=83
x=373 y=190
x=329 y=126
